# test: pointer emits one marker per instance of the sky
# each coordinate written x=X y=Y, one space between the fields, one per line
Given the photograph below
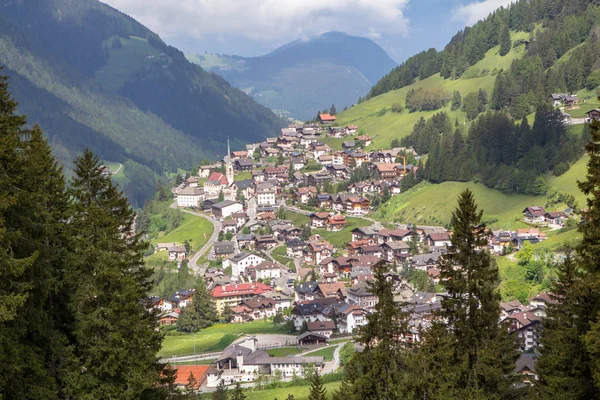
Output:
x=256 y=27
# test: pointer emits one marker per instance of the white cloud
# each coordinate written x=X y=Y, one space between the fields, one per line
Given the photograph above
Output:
x=473 y=12
x=268 y=19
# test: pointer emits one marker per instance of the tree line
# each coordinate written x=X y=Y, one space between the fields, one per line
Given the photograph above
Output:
x=512 y=158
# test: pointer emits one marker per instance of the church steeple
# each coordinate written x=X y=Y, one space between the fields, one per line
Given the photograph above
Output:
x=229 y=166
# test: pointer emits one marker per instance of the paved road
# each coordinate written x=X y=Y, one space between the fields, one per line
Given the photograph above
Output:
x=211 y=241
x=118 y=169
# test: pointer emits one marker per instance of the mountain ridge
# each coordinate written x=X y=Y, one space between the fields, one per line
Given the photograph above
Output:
x=307 y=74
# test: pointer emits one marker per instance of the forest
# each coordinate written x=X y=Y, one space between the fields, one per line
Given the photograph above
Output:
x=566 y=24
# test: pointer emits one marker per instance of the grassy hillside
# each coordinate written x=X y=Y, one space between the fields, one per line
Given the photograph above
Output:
x=430 y=203
x=194 y=229
x=377 y=120
x=134 y=54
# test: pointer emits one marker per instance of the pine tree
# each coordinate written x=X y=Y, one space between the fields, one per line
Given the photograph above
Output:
x=332 y=110
x=456 y=100
x=221 y=196
x=470 y=354
x=380 y=371
x=221 y=392
x=290 y=397
x=317 y=389
x=110 y=285
x=238 y=392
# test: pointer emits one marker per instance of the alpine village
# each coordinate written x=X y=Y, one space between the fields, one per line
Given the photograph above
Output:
x=165 y=235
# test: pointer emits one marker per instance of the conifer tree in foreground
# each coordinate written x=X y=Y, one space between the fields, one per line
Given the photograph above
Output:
x=569 y=365
x=116 y=336
x=317 y=390
x=33 y=206
x=381 y=370
x=238 y=392
x=221 y=392
x=468 y=354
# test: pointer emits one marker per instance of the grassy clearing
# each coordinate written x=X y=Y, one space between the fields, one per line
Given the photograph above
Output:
x=377 y=120
x=125 y=61
x=326 y=352
x=284 y=351
x=339 y=239
x=194 y=229
x=298 y=220
x=430 y=203
x=280 y=254
x=243 y=175
x=215 y=338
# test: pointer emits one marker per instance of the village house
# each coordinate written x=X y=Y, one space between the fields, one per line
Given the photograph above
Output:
x=232 y=295
x=240 y=218
x=555 y=218
x=266 y=194
x=593 y=115
x=438 y=239
x=335 y=223
x=373 y=250
x=306 y=291
x=244 y=363
x=254 y=309
x=319 y=178
x=168 y=319
x=190 y=197
x=303 y=194
x=267 y=270
x=230 y=225
x=323 y=328
x=350 y=317
x=243 y=260
x=318 y=219
x=245 y=241
x=527 y=328
x=326 y=118
x=165 y=246
x=223 y=249
x=243 y=164
x=280 y=174
x=177 y=253
x=316 y=251
x=298 y=163
x=226 y=208
x=396 y=251
x=534 y=214
x=357 y=206
x=311 y=311
x=360 y=296
x=265 y=242
x=338 y=171
x=204 y=171
x=295 y=247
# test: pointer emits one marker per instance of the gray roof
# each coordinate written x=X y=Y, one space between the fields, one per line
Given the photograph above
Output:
x=224 y=204
x=361 y=289
x=224 y=247
x=233 y=351
x=240 y=256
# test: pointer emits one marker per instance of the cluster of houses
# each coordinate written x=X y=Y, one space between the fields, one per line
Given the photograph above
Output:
x=298 y=159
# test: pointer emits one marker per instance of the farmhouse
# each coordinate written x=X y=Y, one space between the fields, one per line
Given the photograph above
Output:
x=326 y=118
x=534 y=214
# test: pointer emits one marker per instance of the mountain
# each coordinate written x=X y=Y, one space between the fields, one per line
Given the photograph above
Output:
x=92 y=76
x=306 y=75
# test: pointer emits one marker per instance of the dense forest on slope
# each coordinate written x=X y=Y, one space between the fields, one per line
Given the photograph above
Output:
x=73 y=71
x=567 y=23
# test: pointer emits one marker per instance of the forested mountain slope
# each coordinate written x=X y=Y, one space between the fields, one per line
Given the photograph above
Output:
x=94 y=77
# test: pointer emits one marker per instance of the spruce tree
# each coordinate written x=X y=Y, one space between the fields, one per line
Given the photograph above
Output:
x=317 y=389
x=33 y=246
x=469 y=355
x=221 y=392
x=201 y=313
x=569 y=358
x=382 y=369
x=505 y=43
x=238 y=392
x=116 y=336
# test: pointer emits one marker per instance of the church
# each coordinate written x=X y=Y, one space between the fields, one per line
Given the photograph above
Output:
x=218 y=182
